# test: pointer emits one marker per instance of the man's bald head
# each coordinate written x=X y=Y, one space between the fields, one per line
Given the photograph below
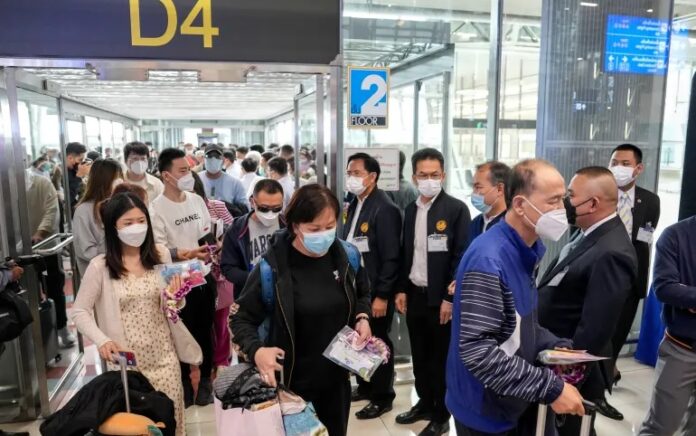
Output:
x=600 y=183
x=594 y=193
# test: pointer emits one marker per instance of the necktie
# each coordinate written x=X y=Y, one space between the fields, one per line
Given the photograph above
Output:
x=626 y=212
x=569 y=247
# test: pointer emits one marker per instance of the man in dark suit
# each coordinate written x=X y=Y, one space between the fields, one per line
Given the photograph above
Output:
x=590 y=281
x=488 y=196
x=639 y=209
x=373 y=225
x=435 y=238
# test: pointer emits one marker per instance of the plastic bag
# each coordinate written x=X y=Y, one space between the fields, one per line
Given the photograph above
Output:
x=362 y=360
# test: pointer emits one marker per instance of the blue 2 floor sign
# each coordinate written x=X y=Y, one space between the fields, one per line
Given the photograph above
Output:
x=368 y=97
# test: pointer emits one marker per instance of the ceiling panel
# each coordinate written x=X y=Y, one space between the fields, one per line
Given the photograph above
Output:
x=180 y=95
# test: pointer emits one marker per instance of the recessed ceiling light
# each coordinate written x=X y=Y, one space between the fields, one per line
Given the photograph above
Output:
x=589 y=4
x=650 y=11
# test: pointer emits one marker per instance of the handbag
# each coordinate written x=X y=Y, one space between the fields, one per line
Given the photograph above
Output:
x=187 y=349
x=261 y=420
x=225 y=290
x=15 y=315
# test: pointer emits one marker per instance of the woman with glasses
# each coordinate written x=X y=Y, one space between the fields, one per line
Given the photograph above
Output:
x=317 y=293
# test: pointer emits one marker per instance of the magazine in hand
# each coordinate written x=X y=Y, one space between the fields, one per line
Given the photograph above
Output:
x=364 y=359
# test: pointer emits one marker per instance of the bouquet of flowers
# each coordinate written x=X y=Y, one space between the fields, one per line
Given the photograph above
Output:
x=178 y=280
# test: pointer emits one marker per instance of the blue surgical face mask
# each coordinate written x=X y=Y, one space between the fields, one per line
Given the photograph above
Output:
x=213 y=165
x=479 y=202
x=319 y=243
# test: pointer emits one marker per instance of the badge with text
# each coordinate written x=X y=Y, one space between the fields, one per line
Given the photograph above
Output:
x=362 y=244
x=437 y=243
x=368 y=97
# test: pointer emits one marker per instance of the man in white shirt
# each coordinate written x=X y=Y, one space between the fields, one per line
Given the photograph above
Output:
x=179 y=220
x=278 y=170
x=250 y=178
x=136 y=157
x=434 y=239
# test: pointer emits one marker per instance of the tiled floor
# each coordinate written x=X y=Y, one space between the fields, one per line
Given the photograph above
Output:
x=632 y=398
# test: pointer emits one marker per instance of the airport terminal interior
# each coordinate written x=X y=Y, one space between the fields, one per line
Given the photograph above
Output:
x=477 y=80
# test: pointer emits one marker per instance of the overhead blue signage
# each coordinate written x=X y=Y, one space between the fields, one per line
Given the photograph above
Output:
x=637 y=45
x=368 y=97
x=177 y=30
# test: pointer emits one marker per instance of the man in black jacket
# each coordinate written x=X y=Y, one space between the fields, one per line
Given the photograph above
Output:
x=436 y=230
x=374 y=227
x=588 y=284
x=249 y=237
x=639 y=209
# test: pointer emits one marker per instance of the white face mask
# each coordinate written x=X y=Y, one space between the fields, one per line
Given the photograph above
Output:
x=133 y=235
x=186 y=183
x=138 y=167
x=267 y=218
x=354 y=185
x=623 y=175
x=550 y=225
x=213 y=165
x=429 y=188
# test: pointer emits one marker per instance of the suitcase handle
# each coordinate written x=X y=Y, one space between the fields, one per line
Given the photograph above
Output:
x=590 y=410
x=123 y=363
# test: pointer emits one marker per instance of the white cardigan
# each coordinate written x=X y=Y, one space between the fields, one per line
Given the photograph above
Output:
x=97 y=294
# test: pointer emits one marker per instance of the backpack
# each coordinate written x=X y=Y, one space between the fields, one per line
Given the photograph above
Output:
x=268 y=285
x=15 y=315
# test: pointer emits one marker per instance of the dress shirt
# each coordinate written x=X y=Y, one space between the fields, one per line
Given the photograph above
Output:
x=419 y=268
x=595 y=226
x=354 y=223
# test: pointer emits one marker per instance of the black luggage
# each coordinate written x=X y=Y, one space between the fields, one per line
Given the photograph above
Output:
x=49 y=330
x=15 y=315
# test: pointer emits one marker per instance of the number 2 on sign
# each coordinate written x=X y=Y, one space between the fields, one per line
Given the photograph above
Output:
x=373 y=106
x=206 y=29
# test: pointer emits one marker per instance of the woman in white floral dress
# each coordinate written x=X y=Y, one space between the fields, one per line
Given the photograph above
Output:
x=124 y=290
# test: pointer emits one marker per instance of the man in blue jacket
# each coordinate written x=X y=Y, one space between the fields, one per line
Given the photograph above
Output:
x=492 y=379
x=248 y=238
x=674 y=279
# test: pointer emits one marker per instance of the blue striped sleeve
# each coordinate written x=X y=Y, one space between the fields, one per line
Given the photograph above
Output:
x=488 y=341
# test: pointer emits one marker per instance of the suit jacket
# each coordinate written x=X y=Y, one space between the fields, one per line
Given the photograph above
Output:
x=380 y=222
x=447 y=216
x=646 y=211
x=596 y=278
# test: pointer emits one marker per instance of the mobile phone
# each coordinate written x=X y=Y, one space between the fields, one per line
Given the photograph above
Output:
x=86 y=161
x=208 y=239
x=130 y=357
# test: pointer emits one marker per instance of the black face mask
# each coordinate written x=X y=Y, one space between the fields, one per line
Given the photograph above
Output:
x=572 y=211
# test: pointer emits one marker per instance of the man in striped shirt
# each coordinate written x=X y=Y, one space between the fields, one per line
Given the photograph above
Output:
x=492 y=379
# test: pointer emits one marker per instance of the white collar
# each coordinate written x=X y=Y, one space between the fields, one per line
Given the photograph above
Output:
x=598 y=224
x=420 y=204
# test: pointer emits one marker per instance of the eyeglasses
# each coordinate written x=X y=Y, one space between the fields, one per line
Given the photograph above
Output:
x=266 y=209
x=433 y=176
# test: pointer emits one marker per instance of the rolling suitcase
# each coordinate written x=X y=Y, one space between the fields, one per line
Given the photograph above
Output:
x=49 y=332
x=585 y=428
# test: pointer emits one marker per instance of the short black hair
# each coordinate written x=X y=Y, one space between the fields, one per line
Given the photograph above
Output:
x=229 y=154
x=370 y=163
x=427 y=154
x=637 y=152
x=135 y=147
x=268 y=155
x=521 y=181
x=250 y=165
x=94 y=155
x=499 y=172
x=268 y=186
x=278 y=165
x=287 y=149
x=307 y=203
x=257 y=147
x=198 y=186
x=243 y=150
x=75 y=149
x=167 y=156
x=402 y=164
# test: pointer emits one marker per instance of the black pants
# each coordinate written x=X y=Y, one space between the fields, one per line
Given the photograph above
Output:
x=198 y=316
x=429 y=345
x=55 y=284
x=332 y=405
x=623 y=327
x=380 y=388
